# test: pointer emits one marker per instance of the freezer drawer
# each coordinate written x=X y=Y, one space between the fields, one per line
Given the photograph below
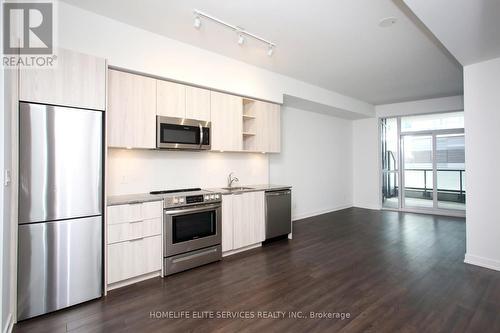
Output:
x=60 y=163
x=60 y=264
x=278 y=213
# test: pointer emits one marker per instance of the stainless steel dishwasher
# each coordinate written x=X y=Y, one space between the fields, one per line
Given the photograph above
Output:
x=278 y=213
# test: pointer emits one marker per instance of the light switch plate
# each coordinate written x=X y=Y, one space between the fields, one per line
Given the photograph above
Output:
x=7 y=178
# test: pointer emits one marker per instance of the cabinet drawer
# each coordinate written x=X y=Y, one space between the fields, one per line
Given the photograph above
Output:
x=152 y=210
x=134 y=212
x=124 y=213
x=134 y=258
x=132 y=230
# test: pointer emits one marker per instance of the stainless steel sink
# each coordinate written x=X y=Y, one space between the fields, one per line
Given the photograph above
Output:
x=237 y=188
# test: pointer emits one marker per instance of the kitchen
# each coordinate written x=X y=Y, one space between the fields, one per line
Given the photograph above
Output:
x=171 y=170
x=163 y=232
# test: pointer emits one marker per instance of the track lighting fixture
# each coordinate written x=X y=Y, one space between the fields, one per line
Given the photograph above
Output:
x=197 y=22
x=241 y=39
x=270 y=50
x=242 y=33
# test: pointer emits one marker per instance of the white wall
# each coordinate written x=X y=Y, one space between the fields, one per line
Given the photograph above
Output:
x=366 y=179
x=482 y=158
x=7 y=245
x=136 y=49
x=142 y=171
x=5 y=211
x=316 y=159
x=434 y=105
x=2 y=168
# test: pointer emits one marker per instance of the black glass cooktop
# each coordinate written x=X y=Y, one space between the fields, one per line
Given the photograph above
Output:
x=176 y=191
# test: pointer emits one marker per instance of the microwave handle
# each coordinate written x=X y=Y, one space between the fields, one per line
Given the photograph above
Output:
x=201 y=135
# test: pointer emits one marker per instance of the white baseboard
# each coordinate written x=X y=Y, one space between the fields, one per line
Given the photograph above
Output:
x=321 y=212
x=9 y=324
x=482 y=262
x=372 y=207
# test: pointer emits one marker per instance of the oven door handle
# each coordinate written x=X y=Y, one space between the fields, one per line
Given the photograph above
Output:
x=191 y=210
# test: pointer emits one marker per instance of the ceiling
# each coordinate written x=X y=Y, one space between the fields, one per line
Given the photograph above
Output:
x=470 y=30
x=336 y=45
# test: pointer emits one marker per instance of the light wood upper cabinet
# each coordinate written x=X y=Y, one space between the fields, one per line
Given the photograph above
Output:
x=170 y=99
x=181 y=101
x=77 y=80
x=197 y=103
x=273 y=128
x=261 y=126
x=226 y=116
x=131 y=110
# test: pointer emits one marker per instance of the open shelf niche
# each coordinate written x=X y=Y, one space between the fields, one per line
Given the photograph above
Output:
x=249 y=124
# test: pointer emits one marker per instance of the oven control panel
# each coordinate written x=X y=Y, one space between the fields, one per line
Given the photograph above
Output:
x=183 y=200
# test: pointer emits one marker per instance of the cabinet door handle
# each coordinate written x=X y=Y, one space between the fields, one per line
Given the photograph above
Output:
x=136 y=239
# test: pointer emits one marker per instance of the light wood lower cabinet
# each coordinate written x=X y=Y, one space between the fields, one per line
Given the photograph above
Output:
x=131 y=110
x=227 y=223
x=243 y=220
x=134 y=244
x=133 y=230
x=133 y=258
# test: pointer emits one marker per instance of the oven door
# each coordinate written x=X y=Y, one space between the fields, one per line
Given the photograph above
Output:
x=191 y=228
x=180 y=133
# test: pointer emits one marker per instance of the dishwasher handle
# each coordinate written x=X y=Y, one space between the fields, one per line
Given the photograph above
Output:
x=277 y=193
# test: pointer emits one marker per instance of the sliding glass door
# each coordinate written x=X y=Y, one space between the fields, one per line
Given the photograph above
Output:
x=450 y=171
x=418 y=180
x=423 y=163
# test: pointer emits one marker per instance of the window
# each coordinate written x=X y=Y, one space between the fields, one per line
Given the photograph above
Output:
x=431 y=122
x=423 y=162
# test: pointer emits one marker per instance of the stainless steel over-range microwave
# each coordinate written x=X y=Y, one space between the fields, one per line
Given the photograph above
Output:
x=182 y=133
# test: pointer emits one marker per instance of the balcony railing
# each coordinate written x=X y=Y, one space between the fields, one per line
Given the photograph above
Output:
x=456 y=194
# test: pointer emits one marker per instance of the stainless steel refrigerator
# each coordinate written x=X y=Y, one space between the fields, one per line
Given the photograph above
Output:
x=60 y=208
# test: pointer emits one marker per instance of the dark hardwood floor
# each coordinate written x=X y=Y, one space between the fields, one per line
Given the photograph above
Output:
x=389 y=271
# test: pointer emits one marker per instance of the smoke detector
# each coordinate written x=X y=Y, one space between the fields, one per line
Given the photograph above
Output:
x=387 y=22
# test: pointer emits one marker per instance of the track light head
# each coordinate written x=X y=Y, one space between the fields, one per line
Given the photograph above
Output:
x=197 y=22
x=241 y=39
x=270 y=51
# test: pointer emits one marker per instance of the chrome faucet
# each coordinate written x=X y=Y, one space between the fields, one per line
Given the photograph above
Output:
x=231 y=180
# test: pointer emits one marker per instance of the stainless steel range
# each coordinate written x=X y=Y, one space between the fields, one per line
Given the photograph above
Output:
x=192 y=228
